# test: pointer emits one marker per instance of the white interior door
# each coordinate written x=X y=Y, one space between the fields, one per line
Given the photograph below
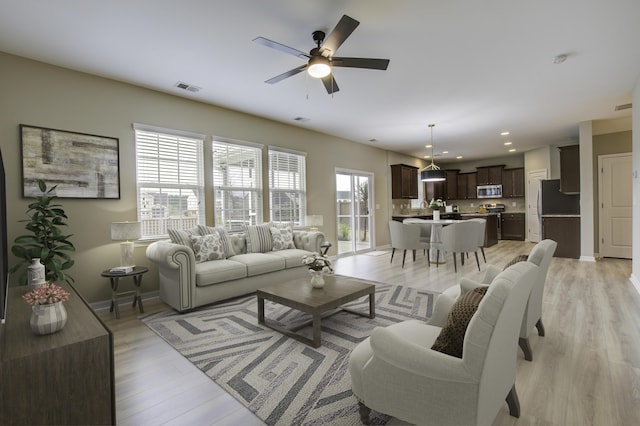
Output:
x=615 y=203
x=533 y=221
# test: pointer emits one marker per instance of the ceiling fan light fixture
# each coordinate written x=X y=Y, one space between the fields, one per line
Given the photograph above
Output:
x=319 y=67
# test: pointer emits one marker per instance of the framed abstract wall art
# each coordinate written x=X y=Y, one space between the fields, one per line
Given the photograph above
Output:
x=80 y=164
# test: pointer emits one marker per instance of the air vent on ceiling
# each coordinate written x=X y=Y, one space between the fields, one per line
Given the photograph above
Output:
x=623 y=107
x=188 y=87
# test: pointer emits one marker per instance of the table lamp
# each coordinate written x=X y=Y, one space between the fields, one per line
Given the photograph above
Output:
x=313 y=221
x=126 y=232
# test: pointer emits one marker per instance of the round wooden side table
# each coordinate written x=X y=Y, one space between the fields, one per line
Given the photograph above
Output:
x=114 y=278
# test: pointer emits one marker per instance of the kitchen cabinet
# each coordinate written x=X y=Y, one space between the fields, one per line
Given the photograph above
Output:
x=451 y=185
x=565 y=230
x=491 y=230
x=404 y=181
x=467 y=183
x=490 y=175
x=512 y=226
x=434 y=190
x=61 y=378
x=570 y=169
x=513 y=182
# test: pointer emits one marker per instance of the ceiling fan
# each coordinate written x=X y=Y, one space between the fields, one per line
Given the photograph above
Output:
x=320 y=59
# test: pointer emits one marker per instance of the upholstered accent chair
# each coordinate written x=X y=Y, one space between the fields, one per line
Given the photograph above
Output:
x=406 y=236
x=481 y=228
x=396 y=372
x=462 y=238
x=540 y=255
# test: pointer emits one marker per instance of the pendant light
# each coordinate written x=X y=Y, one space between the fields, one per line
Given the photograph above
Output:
x=432 y=173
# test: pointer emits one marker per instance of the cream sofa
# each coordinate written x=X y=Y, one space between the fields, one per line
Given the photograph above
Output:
x=186 y=284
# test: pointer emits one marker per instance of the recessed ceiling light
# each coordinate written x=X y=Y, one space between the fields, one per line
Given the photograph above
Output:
x=508 y=143
x=504 y=133
x=512 y=150
x=459 y=157
x=445 y=152
x=428 y=146
x=426 y=156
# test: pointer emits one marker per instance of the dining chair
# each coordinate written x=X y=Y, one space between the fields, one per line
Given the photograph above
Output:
x=461 y=238
x=406 y=236
x=481 y=227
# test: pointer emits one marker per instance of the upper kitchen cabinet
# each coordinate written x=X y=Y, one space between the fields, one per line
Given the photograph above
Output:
x=404 y=181
x=467 y=183
x=490 y=175
x=434 y=190
x=513 y=182
x=451 y=185
x=570 y=169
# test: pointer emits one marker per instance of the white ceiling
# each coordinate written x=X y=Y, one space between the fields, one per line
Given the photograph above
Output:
x=474 y=68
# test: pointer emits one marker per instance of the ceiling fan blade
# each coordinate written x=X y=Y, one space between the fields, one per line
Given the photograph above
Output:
x=281 y=47
x=334 y=40
x=287 y=74
x=370 y=63
x=330 y=84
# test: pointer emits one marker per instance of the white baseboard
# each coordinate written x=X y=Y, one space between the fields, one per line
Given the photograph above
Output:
x=587 y=259
x=106 y=304
x=635 y=282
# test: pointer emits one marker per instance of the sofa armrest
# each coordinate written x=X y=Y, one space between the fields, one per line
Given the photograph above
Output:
x=308 y=240
x=176 y=273
x=169 y=254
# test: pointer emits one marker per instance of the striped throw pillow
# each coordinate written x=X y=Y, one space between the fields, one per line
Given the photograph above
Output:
x=182 y=236
x=258 y=238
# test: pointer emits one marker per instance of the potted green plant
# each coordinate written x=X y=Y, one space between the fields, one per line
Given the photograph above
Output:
x=46 y=241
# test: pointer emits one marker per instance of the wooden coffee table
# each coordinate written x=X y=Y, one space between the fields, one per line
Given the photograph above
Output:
x=298 y=294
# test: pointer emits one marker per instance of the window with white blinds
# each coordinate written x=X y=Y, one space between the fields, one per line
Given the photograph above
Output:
x=170 y=182
x=237 y=184
x=287 y=186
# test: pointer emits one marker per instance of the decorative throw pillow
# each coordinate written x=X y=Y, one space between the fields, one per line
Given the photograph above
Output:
x=207 y=247
x=182 y=236
x=518 y=258
x=451 y=337
x=258 y=238
x=224 y=238
x=282 y=238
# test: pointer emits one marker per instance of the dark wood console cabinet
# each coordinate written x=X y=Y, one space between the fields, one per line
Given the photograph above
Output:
x=62 y=378
x=490 y=175
x=513 y=183
x=404 y=181
x=565 y=230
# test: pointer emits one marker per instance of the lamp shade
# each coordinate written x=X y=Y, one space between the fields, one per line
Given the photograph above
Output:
x=432 y=175
x=314 y=220
x=125 y=231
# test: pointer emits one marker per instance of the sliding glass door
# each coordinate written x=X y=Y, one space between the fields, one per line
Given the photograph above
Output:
x=354 y=191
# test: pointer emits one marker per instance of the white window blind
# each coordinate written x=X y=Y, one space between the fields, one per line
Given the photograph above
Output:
x=170 y=182
x=237 y=183
x=287 y=187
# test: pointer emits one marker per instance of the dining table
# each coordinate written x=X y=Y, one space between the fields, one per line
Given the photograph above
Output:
x=435 y=238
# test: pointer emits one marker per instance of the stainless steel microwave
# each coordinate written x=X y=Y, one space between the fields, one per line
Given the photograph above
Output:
x=489 y=191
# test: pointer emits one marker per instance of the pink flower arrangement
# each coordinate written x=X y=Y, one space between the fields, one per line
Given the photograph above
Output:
x=46 y=294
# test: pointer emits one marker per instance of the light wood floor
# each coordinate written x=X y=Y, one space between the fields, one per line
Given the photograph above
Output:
x=585 y=371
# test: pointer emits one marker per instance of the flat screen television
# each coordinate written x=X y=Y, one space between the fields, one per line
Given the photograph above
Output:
x=4 y=255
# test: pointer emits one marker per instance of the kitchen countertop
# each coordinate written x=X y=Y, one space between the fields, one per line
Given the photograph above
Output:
x=478 y=214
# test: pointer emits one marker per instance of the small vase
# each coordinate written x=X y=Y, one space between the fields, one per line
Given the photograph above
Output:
x=47 y=319
x=436 y=215
x=317 y=279
x=35 y=274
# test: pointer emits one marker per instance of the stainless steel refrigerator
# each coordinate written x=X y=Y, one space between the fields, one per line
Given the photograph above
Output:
x=552 y=201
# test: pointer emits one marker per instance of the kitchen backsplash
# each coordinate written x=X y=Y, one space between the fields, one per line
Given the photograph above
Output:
x=464 y=206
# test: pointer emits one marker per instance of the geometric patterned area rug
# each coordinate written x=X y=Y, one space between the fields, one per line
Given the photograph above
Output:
x=281 y=380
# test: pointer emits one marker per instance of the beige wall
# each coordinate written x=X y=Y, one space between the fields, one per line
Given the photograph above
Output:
x=43 y=95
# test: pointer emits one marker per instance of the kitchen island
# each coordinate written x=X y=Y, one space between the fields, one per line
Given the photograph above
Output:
x=491 y=231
